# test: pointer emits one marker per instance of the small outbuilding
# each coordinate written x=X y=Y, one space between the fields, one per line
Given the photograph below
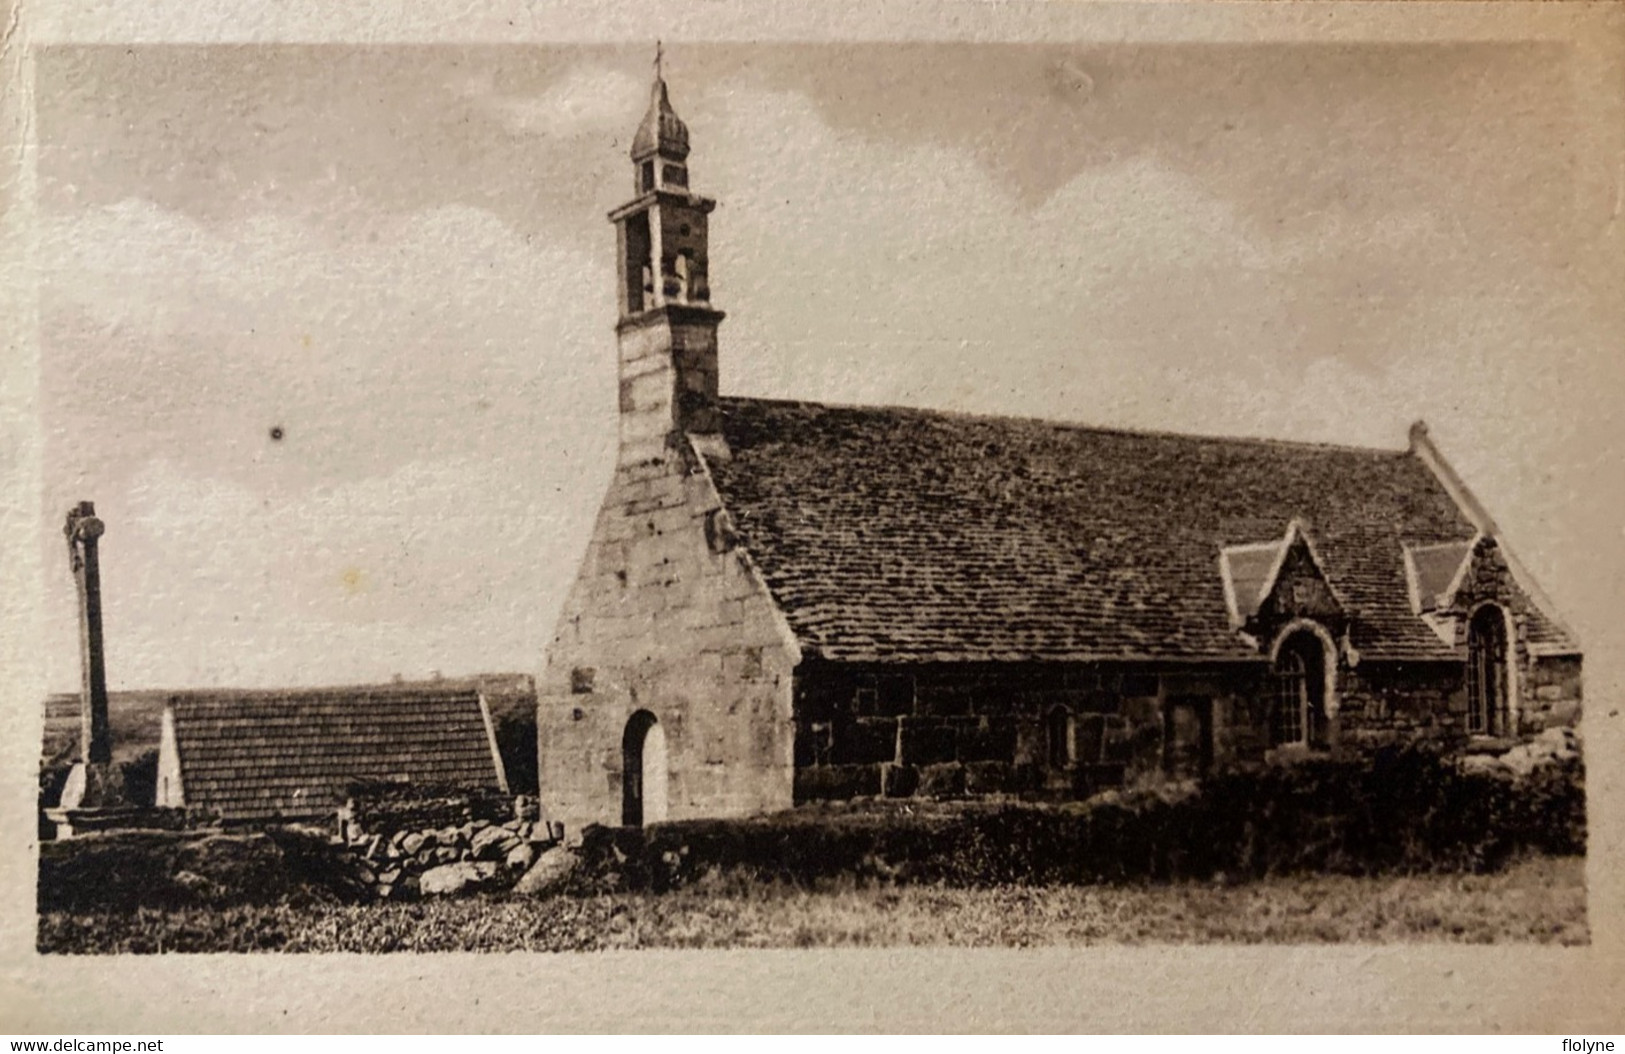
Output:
x=248 y=756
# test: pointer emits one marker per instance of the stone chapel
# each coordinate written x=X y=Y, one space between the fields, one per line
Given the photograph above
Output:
x=785 y=602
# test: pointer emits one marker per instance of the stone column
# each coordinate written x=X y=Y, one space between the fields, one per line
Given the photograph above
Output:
x=82 y=530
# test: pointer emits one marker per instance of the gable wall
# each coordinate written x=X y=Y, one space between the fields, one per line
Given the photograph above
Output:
x=169 y=792
x=1548 y=687
x=665 y=623
x=1300 y=591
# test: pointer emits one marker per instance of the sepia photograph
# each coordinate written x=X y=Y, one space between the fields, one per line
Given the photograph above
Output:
x=693 y=492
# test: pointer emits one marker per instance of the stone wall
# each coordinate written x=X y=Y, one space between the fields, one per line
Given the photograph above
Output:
x=441 y=844
x=1391 y=702
x=947 y=730
x=951 y=729
x=1551 y=693
x=667 y=616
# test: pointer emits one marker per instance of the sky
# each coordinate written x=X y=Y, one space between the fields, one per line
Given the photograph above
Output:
x=327 y=332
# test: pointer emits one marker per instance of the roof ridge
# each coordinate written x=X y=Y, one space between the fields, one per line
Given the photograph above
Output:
x=324 y=692
x=1076 y=426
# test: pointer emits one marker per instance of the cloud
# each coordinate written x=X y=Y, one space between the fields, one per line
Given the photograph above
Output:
x=368 y=350
x=585 y=100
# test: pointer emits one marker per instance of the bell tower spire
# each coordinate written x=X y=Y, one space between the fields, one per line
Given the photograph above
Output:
x=667 y=331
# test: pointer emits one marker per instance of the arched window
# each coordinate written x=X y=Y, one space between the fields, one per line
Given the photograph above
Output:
x=1298 y=702
x=1058 y=733
x=1488 y=698
x=1291 y=692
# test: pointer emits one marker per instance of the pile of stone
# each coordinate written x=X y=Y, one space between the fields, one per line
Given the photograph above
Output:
x=450 y=858
x=1555 y=746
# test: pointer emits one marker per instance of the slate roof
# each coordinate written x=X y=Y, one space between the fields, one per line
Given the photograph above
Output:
x=258 y=755
x=891 y=534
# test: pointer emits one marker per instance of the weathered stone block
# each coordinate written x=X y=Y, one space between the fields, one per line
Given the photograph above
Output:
x=942 y=781
x=837 y=782
x=899 y=781
x=986 y=739
x=944 y=700
x=550 y=871
x=925 y=741
x=520 y=856
x=988 y=777
x=450 y=879
x=865 y=741
x=488 y=843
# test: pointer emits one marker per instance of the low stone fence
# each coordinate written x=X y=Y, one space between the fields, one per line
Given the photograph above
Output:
x=410 y=841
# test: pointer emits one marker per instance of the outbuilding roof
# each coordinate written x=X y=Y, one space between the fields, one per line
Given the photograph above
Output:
x=250 y=755
x=893 y=534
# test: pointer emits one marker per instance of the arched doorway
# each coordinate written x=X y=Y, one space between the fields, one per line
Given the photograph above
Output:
x=1488 y=674
x=1298 y=708
x=643 y=771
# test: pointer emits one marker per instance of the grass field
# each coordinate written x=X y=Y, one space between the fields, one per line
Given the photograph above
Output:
x=1538 y=899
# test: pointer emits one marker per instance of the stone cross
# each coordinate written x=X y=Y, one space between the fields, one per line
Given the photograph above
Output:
x=82 y=530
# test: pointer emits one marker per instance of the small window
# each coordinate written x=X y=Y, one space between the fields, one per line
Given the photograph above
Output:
x=581 y=680
x=865 y=701
x=648 y=180
x=675 y=175
x=1060 y=741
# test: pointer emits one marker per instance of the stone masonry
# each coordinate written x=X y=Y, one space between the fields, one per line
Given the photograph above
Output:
x=669 y=627
x=667 y=617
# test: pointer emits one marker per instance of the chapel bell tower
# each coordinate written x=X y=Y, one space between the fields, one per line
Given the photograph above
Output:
x=667 y=333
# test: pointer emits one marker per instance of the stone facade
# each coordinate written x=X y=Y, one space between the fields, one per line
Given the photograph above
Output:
x=667 y=618
x=1036 y=729
x=873 y=729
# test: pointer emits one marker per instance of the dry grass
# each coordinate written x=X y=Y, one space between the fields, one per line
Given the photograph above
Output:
x=1538 y=899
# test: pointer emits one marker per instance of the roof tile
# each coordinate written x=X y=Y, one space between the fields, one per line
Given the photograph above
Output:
x=907 y=535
